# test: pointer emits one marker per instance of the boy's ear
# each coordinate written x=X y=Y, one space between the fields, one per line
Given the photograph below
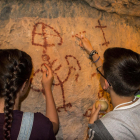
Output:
x=106 y=85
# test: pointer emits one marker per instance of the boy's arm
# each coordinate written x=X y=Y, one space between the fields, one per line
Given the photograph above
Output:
x=86 y=45
x=51 y=112
x=97 y=130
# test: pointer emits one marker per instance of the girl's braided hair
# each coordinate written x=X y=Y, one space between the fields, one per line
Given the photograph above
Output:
x=15 y=69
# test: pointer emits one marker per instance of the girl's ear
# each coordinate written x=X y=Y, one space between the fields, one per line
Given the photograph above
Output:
x=23 y=93
x=106 y=85
x=24 y=85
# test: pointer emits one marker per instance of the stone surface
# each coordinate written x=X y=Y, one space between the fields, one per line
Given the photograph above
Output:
x=122 y=7
x=21 y=28
x=127 y=9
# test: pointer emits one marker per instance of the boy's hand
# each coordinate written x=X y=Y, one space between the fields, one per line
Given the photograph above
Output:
x=94 y=114
x=47 y=78
x=85 y=43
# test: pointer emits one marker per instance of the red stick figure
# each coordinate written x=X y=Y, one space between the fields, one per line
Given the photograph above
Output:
x=60 y=83
x=39 y=30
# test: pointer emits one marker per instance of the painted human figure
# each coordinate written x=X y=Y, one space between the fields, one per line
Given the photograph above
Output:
x=46 y=58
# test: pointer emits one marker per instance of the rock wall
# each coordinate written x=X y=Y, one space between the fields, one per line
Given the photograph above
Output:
x=46 y=30
x=121 y=7
x=129 y=10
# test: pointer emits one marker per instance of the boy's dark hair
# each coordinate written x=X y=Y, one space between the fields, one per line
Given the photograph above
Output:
x=15 y=69
x=122 y=70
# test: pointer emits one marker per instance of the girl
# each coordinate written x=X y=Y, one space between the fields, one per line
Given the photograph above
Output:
x=15 y=72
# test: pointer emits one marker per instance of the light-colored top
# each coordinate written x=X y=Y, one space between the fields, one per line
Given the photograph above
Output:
x=124 y=122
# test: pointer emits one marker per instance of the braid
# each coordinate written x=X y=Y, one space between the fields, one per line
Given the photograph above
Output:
x=10 y=101
x=15 y=69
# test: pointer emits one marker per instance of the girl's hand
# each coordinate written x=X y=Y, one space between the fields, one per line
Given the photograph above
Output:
x=85 y=43
x=47 y=78
x=94 y=114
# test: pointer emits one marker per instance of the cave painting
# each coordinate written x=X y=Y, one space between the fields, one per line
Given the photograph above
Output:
x=44 y=32
x=101 y=93
x=42 y=35
x=101 y=27
x=81 y=33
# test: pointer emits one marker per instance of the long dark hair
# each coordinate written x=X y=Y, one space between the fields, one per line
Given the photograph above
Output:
x=122 y=69
x=15 y=69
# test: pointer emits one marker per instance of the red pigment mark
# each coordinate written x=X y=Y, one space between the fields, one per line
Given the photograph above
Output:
x=44 y=35
x=101 y=27
x=58 y=68
x=79 y=33
x=76 y=77
x=46 y=58
x=100 y=94
x=66 y=57
x=92 y=75
x=60 y=82
x=44 y=51
x=63 y=96
x=87 y=113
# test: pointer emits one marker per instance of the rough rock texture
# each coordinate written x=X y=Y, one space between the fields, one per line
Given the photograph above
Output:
x=127 y=9
x=121 y=7
x=45 y=29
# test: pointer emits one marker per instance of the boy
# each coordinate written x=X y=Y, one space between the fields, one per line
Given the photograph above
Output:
x=120 y=77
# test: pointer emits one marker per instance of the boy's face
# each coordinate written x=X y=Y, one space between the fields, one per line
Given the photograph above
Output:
x=102 y=78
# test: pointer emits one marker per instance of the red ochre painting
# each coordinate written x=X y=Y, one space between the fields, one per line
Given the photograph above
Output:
x=101 y=27
x=46 y=32
x=42 y=35
x=101 y=93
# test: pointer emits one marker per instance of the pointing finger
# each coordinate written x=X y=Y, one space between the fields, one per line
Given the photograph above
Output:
x=48 y=68
x=78 y=36
x=80 y=44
